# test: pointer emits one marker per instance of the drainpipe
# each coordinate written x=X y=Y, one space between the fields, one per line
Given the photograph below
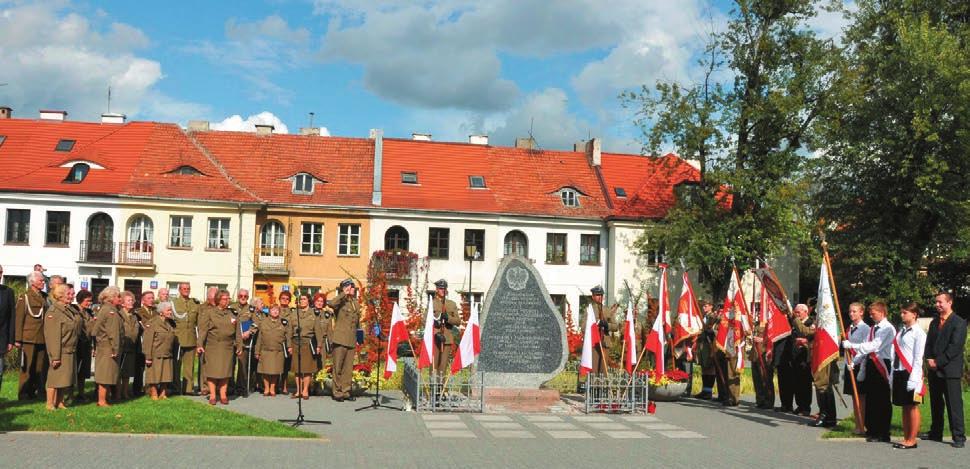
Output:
x=239 y=250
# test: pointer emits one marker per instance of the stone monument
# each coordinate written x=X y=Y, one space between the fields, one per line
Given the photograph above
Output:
x=523 y=336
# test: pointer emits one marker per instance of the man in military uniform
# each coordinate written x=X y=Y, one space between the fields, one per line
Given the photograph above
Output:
x=211 y=305
x=7 y=303
x=705 y=351
x=247 y=315
x=185 y=310
x=728 y=376
x=446 y=317
x=145 y=312
x=347 y=317
x=606 y=321
x=761 y=371
x=801 y=361
x=29 y=338
x=824 y=380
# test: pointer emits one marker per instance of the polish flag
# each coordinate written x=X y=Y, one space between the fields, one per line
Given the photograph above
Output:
x=471 y=343
x=630 y=340
x=591 y=338
x=399 y=333
x=427 y=343
x=734 y=318
x=656 y=341
x=688 y=315
x=825 y=348
x=663 y=299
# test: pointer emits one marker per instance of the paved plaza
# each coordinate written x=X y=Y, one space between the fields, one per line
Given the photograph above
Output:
x=685 y=434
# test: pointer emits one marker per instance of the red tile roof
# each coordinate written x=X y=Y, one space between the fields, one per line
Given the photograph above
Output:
x=264 y=165
x=518 y=181
x=648 y=181
x=136 y=157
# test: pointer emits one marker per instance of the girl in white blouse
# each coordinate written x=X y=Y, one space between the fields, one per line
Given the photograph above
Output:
x=908 y=373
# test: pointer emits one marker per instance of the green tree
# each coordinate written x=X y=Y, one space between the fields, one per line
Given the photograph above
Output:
x=749 y=122
x=896 y=153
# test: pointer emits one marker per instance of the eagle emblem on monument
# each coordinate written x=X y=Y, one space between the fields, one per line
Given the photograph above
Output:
x=517 y=277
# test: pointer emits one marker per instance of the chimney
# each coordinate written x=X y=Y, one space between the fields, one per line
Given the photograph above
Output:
x=264 y=129
x=6 y=112
x=421 y=137
x=594 y=152
x=478 y=139
x=53 y=115
x=198 y=126
x=525 y=143
x=378 y=136
x=113 y=118
x=310 y=131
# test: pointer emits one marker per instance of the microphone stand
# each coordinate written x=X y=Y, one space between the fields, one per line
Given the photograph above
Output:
x=300 y=418
x=376 y=403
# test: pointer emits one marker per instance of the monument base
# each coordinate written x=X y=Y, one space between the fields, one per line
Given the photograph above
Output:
x=499 y=400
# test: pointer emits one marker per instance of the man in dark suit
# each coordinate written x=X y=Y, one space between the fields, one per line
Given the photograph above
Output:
x=6 y=321
x=944 y=358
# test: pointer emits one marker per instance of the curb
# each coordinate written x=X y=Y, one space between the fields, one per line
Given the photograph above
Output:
x=149 y=436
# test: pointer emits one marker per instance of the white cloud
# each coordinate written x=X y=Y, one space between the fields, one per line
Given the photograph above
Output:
x=238 y=124
x=55 y=58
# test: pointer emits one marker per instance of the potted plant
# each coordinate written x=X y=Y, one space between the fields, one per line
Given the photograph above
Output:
x=669 y=386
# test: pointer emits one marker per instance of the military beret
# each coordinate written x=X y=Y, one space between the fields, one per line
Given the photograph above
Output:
x=597 y=290
x=441 y=283
x=346 y=283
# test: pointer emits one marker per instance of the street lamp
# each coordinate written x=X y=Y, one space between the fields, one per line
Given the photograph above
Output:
x=471 y=253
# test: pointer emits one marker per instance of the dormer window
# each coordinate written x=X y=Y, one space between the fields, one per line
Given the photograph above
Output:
x=65 y=145
x=569 y=196
x=187 y=170
x=409 y=178
x=620 y=192
x=77 y=173
x=303 y=184
x=476 y=182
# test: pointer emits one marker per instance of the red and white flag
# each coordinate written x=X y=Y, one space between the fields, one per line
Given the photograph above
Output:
x=398 y=333
x=630 y=340
x=663 y=299
x=427 y=343
x=471 y=343
x=734 y=319
x=776 y=324
x=688 y=315
x=655 y=342
x=591 y=338
x=825 y=347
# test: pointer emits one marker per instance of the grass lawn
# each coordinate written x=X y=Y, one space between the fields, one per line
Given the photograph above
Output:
x=176 y=415
x=846 y=425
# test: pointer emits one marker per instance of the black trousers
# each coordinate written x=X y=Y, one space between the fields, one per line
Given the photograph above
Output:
x=946 y=392
x=879 y=407
x=803 y=387
x=764 y=387
x=786 y=384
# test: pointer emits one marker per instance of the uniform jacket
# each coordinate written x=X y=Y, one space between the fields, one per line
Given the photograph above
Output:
x=946 y=344
x=31 y=307
x=185 y=311
x=7 y=306
x=346 y=318
x=62 y=328
x=159 y=338
x=610 y=318
x=107 y=330
x=448 y=312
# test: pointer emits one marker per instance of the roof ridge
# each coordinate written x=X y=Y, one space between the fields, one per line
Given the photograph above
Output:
x=218 y=165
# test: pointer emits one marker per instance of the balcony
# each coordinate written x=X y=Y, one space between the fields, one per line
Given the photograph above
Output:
x=273 y=262
x=394 y=265
x=134 y=254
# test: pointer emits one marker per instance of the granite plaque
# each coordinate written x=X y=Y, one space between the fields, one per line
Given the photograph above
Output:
x=523 y=335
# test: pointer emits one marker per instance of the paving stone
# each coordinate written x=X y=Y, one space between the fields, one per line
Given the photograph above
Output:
x=659 y=426
x=492 y=418
x=511 y=434
x=452 y=434
x=555 y=425
x=640 y=418
x=607 y=426
x=501 y=425
x=432 y=417
x=626 y=435
x=569 y=434
x=543 y=418
x=440 y=425
x=592 y=418
x=682 y=434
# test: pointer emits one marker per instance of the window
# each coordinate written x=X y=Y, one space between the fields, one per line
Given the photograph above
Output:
x=312 y=239
x=77 y=173
x=396 y=238
x=64 y=145
x=656 y=256
x=584 y=302
x=476 y=298
x=516 y=244
x=570 y=197
x=438 y=243
x=475 y=238
x=58 y=228
x=348 y=240
x=272 y=240
x=218 y=234
x=187 y=171
x=589 y=249
x=556 y=248
x=173 y=288
x=218 y=286
x=141 y=231
x=180 y=232
x=476 y=182
x=620 y=192
x=303 y=184
x=560 y=302
x=409 y=178
x=18 y=226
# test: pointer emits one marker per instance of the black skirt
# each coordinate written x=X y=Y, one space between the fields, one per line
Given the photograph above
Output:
x=847 y=383
x=901 y=396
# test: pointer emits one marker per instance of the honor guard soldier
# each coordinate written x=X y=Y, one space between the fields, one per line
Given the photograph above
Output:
x=705 y=351
x=824 y=380
x=29 y=337
x=185 y=311
x=606 y=321
x=761 y=372
x=248 y=318
x=346 y=319
x=446 y=318
x=728 y=376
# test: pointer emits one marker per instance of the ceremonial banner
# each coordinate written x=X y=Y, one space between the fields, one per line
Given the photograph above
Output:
x=663 y=299
x=630 y=340
x=398 y=333
x=471 y=343
x=825 y=348
x=734 y=314
x=591 y=338
x=655 y=342
x=688 y=314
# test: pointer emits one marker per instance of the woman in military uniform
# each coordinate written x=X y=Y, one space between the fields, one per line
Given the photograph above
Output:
x=129 y=344
x=85 y=342
x=305 y=332
x=158 y=343
x=61 y=331
x=107 y=333
x=272 y=343
x=220 y=341
x=286 y=314
x=325 y=316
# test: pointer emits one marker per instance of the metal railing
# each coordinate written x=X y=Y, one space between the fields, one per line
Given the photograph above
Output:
x=429 y=392
x=126 y=253
x=616 y=393
x=395 y=265
x=275 y=264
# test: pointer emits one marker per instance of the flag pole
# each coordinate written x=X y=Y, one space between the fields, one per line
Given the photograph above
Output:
x=758 y=351
x=838 y=315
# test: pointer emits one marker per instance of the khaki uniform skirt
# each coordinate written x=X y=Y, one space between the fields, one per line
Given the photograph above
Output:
x=64 y=375
x=306 y=362
x=270 y=362
x=218 y=360
x=160 y=372
x=105 y=368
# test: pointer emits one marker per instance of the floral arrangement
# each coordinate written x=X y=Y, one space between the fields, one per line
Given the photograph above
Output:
x=574 y=336
x=671 y=376
x=362 y=378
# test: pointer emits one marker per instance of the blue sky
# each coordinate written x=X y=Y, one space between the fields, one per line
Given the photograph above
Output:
x=446 y=67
